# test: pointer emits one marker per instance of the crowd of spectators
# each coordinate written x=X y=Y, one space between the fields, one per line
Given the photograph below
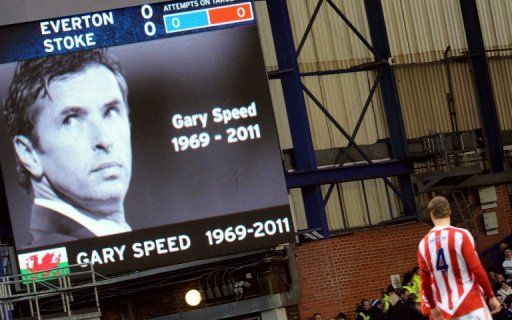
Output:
x=395 y=304
x=404 y=303
x=502 y=283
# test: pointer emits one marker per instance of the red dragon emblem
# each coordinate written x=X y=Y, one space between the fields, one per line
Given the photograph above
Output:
x=48 y=262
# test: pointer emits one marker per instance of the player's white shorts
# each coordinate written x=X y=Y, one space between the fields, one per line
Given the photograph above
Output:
x=478 y=314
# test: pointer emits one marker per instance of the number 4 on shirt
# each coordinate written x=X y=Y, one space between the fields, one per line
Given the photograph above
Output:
x=441 y=261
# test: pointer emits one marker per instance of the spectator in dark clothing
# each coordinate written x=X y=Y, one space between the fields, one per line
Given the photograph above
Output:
x=414 y=307
x=405 y=308
x=376 y=312
x=499 y=280
x=492 y=278
x=505 y=312
x=508 y=301
x=341 y=316
x=363 y=311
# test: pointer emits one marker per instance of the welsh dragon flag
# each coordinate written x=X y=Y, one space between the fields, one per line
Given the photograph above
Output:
x=43 y=265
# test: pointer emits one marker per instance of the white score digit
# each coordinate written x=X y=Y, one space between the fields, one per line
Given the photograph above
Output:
x=146 y=11
x=150 y=28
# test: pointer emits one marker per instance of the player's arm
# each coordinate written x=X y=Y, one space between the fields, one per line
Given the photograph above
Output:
x=474 y=264
x=426 y=284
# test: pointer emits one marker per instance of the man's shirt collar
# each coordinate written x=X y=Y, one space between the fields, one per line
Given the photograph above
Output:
x=100 y=227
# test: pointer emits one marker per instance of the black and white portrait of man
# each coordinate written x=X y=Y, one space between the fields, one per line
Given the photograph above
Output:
x=68 y=120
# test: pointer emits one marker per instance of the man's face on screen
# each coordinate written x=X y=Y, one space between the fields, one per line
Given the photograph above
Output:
x=83 y=134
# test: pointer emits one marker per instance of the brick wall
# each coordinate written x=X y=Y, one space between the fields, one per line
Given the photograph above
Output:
x=509 y=211
x=504 y=215
x=336 y=273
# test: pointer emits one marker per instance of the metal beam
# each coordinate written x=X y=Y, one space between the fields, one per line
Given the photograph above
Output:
x=489 y=179
x=389 y=92
x=346 y=174
x=486 y=102
x=309 y=27
x=296 y=109
x=353 y=28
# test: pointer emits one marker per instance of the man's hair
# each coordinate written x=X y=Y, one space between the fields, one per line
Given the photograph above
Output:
x=439 y=207
x=31 y=81
x=412 y=298
x=403 y=291
x=406 y=278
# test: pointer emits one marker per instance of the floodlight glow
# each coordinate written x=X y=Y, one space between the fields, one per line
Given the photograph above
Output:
x=193 y=297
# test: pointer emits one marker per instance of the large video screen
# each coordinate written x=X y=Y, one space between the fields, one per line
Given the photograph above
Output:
x=140 y=137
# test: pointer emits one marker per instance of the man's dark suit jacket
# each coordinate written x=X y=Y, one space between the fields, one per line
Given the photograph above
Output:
x=49 y=227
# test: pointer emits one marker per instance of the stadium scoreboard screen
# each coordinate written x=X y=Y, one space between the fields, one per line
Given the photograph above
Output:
x=140 y=137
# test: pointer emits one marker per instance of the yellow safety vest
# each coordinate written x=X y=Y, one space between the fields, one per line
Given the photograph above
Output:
x=385 y=302
x=416 y=286
x=364 y=316
x=409 y=288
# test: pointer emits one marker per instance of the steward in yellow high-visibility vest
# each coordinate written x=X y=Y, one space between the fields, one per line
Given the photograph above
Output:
x=389 y=299
x=407 y=283
x=416 y=283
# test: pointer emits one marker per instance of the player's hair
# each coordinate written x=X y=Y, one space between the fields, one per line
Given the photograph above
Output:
x=31 y=81
x=439 y=207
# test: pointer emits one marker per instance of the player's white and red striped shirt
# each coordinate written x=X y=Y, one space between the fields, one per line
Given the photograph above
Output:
x=450 y=264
